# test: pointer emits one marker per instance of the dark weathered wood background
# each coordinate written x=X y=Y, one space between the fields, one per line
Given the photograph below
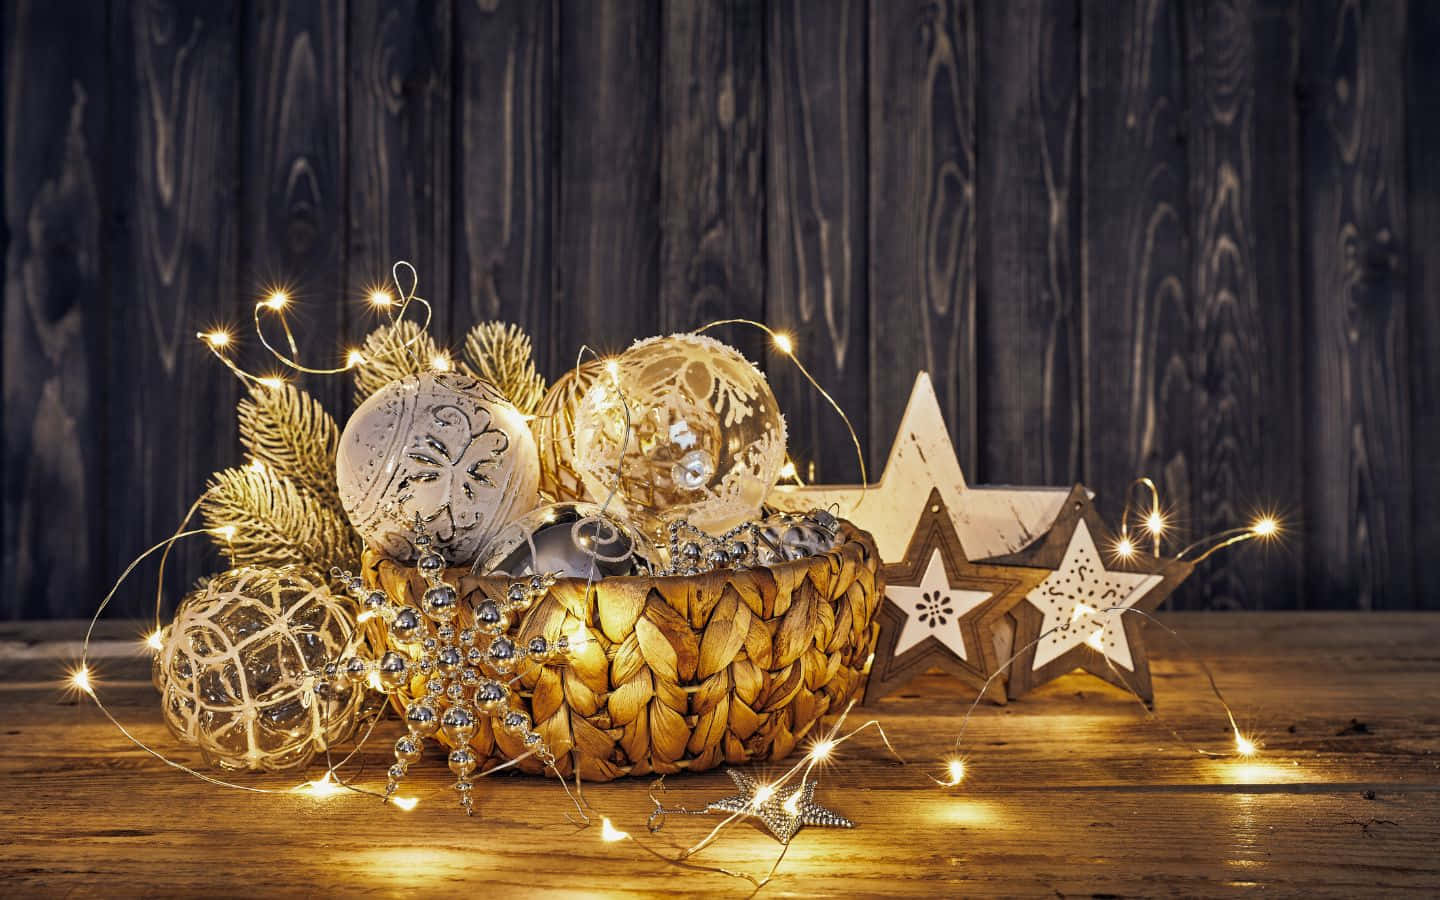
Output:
x=1185 y=239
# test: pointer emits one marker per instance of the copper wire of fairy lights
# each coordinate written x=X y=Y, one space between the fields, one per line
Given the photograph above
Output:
x=1149 y=521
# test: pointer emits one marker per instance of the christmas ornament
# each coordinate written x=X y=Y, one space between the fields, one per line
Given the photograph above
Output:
x=283 y=508
x=784 y=811
x=444 y=447
x=1075 y=618
x=392 y=352
x=785 y=536
x=466 y=659
x=781 y=537
x=990 y=521
x=568 y=540
x=941 y=610
x=554 y=429
x=705 y=441
x=236 y=669
x=501 y=354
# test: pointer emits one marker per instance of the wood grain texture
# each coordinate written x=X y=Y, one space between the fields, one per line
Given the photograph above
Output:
x=1422 y=121
x=1070 y=789
x=922 y=213
x=293 y=141
x=397 y=121
x=1027 y=268
x=815 y=227
x=52 y=381
x=1138 y=311
x=607 y=245
x=172 y=234
x=1241 y=70
x=1357 y=407
x=1191 y=240
x=506 y=159
x=712 y=167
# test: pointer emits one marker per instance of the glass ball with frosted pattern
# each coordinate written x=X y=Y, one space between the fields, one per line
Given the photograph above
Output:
x=705 y=442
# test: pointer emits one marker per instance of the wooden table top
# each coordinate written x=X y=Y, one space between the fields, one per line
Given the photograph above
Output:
x=1070 y=790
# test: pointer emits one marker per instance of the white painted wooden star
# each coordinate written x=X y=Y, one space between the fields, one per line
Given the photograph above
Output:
x=933 y=609
x=1081 y=602
x=784 y=811
x=991 y=520
x=1090 y=610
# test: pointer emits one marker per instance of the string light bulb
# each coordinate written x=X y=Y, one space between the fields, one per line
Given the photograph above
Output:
x=320 y=790
x=763 y=794
x=440 y=362
x=792 y=804
x=216 y=338
x=1155 y=522
x=1125 y=548
x=155 y=640
x=955 y=772
x=609 y=833
x=406 y=803
x=354 y=358
x=80 y=680
x=277 y=300
x=273 y=382
x=224 y=531
x=381 y=299
x=783 y=343
x=822 y=749
x=1265 y=527
x=1244 y=746
x=788 y=470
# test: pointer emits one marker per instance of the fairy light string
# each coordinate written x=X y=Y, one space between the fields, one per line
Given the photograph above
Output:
x=785 y=345
x=820 y=752
x=277 y=302
x=1143 y=520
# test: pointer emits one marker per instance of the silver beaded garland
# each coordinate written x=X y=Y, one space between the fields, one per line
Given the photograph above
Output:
x=777 y=538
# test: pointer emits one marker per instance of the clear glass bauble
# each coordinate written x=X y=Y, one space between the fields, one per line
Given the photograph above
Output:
x=570 y=540
x=232 y=669
x=706 y=440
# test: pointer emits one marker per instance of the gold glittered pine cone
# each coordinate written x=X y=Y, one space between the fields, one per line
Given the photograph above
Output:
x=683 y=673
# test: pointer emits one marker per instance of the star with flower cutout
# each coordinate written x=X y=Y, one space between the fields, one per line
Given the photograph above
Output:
x=1079 y=616
x=784 y=811
x=990 y=521
x=941 y=609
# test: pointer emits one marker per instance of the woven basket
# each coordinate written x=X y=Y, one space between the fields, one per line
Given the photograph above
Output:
x=682 y=673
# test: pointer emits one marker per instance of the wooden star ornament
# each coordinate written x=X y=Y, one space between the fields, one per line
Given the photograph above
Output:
x=941 y=610
x=1078 y=616
x=990 y=521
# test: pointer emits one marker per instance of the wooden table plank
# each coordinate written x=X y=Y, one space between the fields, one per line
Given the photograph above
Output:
x=1071 y=789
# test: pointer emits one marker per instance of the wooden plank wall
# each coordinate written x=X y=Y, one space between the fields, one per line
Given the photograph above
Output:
x=1194 y=240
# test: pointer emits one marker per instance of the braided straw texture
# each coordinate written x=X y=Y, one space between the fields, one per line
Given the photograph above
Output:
x=682 y=673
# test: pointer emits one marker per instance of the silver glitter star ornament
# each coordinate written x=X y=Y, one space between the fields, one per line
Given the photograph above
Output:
x=783 y=811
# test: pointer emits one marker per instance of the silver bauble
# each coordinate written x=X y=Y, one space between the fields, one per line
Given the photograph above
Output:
x=575 y=540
